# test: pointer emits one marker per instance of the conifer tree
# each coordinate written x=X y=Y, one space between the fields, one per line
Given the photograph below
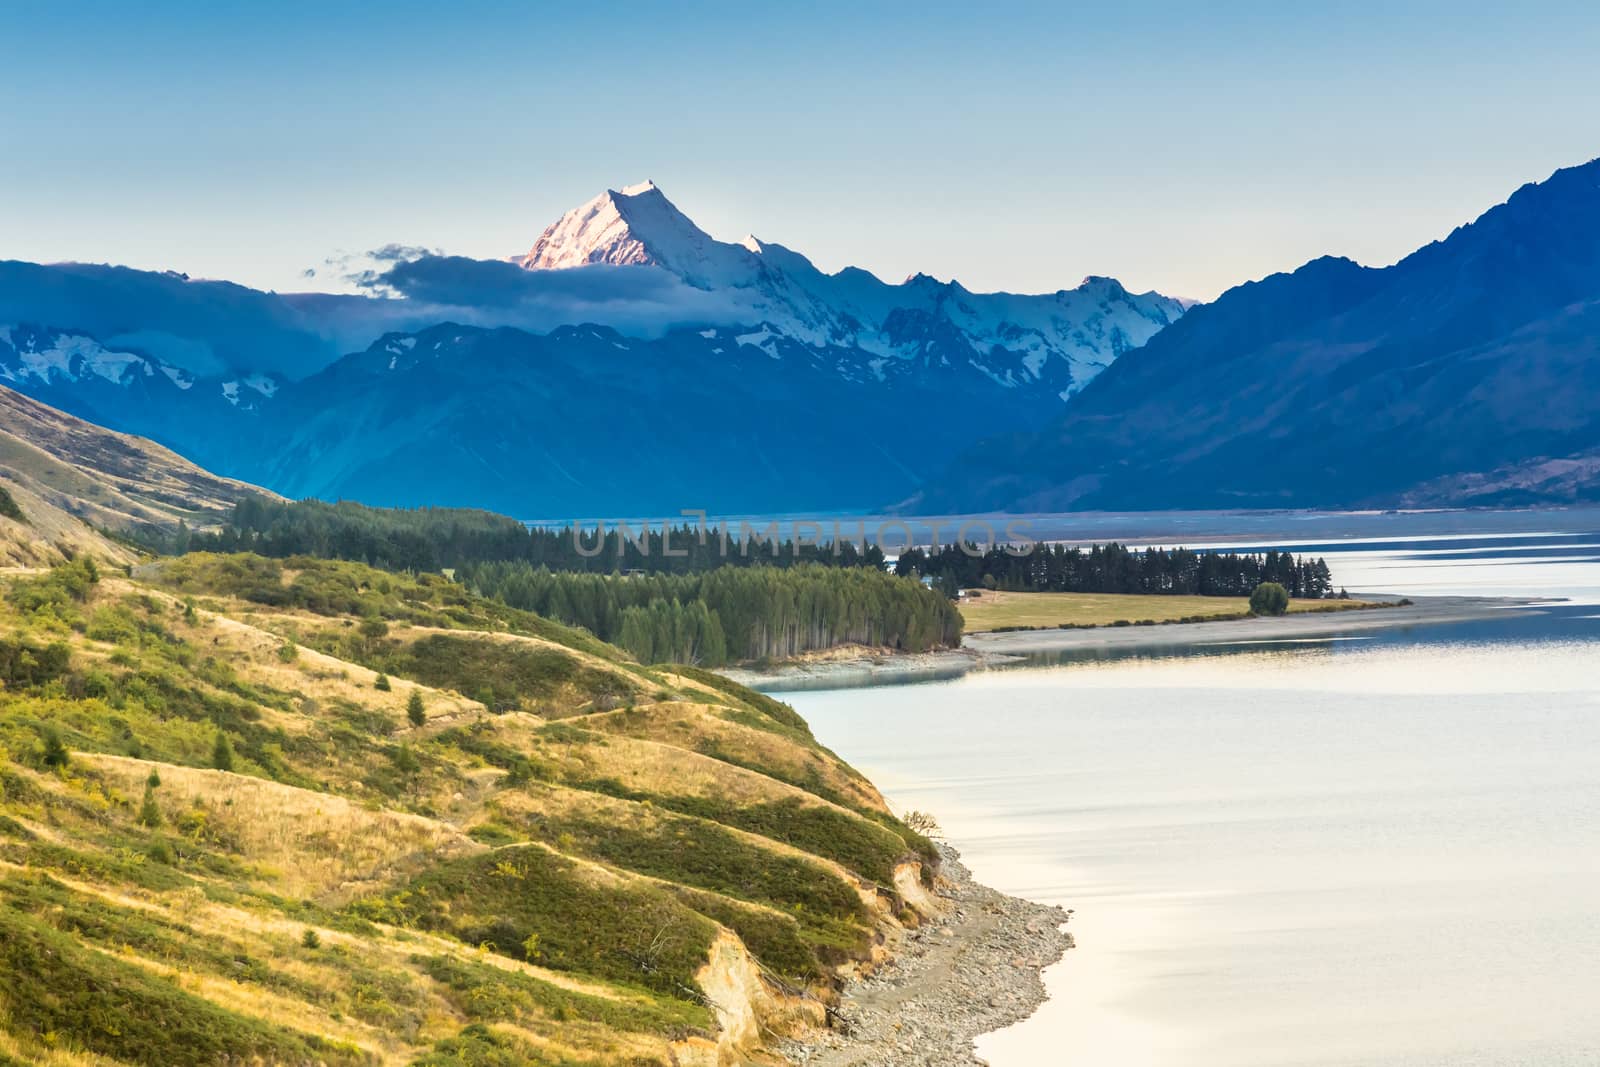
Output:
x=55 y=750
x=150 y=811
x=222 y=753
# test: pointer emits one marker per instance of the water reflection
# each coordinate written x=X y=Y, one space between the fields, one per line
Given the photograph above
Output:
x=1377 y=849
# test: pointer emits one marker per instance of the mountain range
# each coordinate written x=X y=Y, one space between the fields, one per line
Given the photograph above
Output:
x=1468 y=373
x=628 y=361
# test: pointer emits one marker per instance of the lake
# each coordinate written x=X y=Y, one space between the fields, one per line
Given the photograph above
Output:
x=1381 y=849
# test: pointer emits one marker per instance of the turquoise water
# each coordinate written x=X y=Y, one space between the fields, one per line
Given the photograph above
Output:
x=1374 y=850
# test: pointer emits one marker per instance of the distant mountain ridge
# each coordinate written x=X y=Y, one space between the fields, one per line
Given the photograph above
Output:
x=1056 y=341
x=1467 y=373
x=738 y=377
x=720 y=418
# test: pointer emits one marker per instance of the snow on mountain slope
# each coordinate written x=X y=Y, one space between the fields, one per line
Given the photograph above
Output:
x=41 y=360
x=638 y=226
x=1054 y=341
x=53 y=355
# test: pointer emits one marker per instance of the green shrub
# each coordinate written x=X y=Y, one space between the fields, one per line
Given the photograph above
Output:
x=479 y=1046
x=1269 y=598
x=58 y=592
x=149 y=810
x=9 y=508
x=24 y=665
x=60 y=990
x=629 y=933
x=707 y=855
x=222 y=753
x=483 y=992
x=55 y=752
x=778 y=941
x=499 y=673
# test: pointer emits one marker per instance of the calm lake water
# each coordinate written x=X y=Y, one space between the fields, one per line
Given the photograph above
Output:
x=1379 y=850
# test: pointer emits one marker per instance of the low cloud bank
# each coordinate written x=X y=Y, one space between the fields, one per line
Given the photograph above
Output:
x=643 y=301
x=214 y=328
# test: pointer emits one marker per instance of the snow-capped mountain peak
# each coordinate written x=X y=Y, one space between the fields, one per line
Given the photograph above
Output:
x=638 y=226
x=1056 y=341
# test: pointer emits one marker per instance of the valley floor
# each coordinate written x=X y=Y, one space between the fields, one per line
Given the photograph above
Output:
x=986 y=650
x=990 y=610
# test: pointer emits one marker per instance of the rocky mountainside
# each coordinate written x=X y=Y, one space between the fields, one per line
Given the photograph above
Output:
x=1467 y=373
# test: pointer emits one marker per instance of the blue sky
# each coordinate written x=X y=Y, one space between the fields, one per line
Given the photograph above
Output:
x=1178 y=147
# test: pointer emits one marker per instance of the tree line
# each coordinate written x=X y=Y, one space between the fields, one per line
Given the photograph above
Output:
x=432 y=539
x=1114 y=568
x=730 y=614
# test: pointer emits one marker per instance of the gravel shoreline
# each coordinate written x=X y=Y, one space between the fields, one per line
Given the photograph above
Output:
x=976 y=969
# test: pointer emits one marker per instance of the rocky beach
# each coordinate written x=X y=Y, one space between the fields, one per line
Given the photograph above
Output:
x=975 y=970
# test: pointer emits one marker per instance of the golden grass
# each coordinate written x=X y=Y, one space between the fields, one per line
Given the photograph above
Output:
x=39 y=541
x=73 y=479
x=540 y=800
x=647 y=766
x=266 y=1005
x=251 y=649
x=323 y=677
x=707 y=728
x=332 y=847
x=316 y=845
x=627 y=672
x=21 y=1051
x=993 y=610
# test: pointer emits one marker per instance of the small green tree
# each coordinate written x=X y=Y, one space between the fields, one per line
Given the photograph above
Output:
x=415 y=710
x=1269 y=598
x=381 y=683
x=405 y=760
x=55 y=750
x=310 y=939
x=288 y=651
x=222 y=753
x=150 y=811
x=160 y=851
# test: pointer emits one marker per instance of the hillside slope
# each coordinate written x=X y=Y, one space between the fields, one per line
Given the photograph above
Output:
x=304 y=811
x=69 y=480
x=1464 y=374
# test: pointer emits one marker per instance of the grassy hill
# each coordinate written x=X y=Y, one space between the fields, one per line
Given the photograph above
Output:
x=64 y=482
x=224 y=838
